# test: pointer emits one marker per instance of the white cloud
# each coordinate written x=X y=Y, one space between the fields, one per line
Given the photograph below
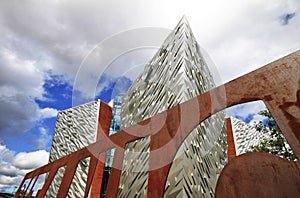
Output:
x=228 y=30
x=19 y=75
x=256 y=118
x=47 y=112
x=37 y=159
x=111 y=103
x=242 y=111
x=19 y=113
x=5 y=153
x=250 y=41
x=7 y=169
x=7 y=180
x=21 y=82
x=42 y=139
x=13 y=167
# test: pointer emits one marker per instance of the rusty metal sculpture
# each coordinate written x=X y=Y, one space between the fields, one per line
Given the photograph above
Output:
x=277 y=84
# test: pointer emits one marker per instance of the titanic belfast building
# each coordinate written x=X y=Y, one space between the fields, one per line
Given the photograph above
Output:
x=176 y=73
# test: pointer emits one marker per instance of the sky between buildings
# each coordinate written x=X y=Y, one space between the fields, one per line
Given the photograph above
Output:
x=48 y=60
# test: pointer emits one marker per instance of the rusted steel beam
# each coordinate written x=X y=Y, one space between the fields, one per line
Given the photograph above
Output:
x=31 y=189
x=90 y=179
x=96 y=173
x=231 y=151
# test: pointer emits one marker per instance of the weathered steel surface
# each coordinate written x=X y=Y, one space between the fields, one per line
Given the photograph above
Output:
x=259 y=175
x=277 y=84
x=96 y=174
x=230 y=140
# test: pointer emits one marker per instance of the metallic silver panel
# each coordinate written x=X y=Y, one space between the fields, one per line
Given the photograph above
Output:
x=78 y=184
x=54 y=186
x=199 y=161
x=135 y=167
x=75 y=128
x=176 y=73
x=245 y=136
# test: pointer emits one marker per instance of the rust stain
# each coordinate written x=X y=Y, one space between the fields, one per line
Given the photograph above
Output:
x=293 y=121
x=268 y=98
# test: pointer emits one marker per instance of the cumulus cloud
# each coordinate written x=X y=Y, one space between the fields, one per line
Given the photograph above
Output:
x=5 y=153
x=7 y=180
x=21 y=82
x=37 y=159
x=13 y=167
x=251 y=41
x=247 y=111
x=19 y=113
x=7 y=169
x=65 y=32
x=42 y=139
x=47 y=112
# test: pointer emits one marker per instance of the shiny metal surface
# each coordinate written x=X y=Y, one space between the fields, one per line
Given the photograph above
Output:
x=246 y=136
x=75 y=128
x=176 y=73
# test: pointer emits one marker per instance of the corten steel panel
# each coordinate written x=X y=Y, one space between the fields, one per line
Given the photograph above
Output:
x=259 y=175
x=277 y=84
x=230 y=141
x=102 y=131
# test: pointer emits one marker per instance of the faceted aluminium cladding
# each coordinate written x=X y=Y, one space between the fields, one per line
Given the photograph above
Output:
x=245 y=136
x=176 y=73
x=75 y=128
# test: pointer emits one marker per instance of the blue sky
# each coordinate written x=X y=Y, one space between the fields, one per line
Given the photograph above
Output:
x=49 y=58
x=58 y=95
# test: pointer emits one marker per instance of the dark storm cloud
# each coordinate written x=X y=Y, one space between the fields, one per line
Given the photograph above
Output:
x=17 y=115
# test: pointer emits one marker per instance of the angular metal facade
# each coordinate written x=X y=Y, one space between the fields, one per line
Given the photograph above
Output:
x=75 y=128
x=245 y=136
x=176 y=73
